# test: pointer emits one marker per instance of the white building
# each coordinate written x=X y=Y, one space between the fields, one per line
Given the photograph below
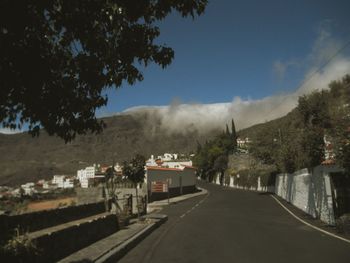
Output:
x=58 y=180
x=28 y=188
x=61 y=181
x=168 y=161
x=84 y=175
x=68 y=183
x=242 y=143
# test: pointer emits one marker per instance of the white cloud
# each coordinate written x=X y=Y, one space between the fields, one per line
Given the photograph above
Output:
x=183 y=117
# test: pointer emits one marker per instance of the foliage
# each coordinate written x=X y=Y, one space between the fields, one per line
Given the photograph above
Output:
x=134 y=170
x=340 y=114
x=57 y=58
x=20 y=248
x=267 y=176
x=296 y=141
x=245 y=178
x=212 y=157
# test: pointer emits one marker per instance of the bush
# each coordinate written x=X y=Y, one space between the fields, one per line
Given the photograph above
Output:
x=246 y=179
x=343 y=224
x=20 y=248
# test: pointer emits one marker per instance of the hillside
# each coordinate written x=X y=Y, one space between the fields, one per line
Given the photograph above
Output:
x=318 y=129
x=23 y=158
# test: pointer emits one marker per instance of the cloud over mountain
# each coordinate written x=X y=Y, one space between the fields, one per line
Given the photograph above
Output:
x=179 y=117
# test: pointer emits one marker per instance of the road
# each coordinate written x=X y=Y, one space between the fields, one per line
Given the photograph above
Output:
x=235 y=226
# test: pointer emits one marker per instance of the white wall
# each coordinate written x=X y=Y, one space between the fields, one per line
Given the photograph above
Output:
x=309 y=191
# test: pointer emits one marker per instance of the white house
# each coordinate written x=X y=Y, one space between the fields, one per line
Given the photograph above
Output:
x=61 y=181
x=168 y=161
x=242 y=143
x=84 y=175
x=28 y=188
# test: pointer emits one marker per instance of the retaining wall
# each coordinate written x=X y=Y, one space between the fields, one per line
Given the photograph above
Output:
x=30 y=222
x=310 y=191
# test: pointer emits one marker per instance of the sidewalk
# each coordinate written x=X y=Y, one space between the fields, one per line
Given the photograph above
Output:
x=117 y=245
x=158 y=205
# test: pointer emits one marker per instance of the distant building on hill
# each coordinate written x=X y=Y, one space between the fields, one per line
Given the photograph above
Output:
x=168 y=161
x=28 y=188
x=62 y=181
x=243 y=142
x=84 y=175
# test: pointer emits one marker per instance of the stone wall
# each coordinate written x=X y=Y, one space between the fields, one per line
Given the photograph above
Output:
x=310 y=191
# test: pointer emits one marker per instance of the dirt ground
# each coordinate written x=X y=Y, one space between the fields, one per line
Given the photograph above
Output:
x=50 y=204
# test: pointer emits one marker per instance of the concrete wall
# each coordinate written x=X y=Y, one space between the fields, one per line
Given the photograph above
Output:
x=180 y=182
x=124 y=193
x=57 y=245
x=310 y=191
x=30 y=222
x=89 y=195
x=185 y=177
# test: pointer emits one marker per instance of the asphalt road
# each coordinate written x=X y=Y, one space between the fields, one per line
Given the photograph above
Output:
x=235 y=226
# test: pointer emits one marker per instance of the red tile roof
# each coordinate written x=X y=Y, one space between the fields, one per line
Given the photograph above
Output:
x=162 y=168
x=328 y=162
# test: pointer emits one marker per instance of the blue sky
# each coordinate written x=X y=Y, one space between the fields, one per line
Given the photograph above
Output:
x=241 y=59
x=233 y=49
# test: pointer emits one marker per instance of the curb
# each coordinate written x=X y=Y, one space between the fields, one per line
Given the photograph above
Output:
x=154 y=206
x=308 y=224
x=119 y=251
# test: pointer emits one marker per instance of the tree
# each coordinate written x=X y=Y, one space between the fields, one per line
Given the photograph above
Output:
x=134 y=170
x=109 y=189
x=220 y=165
x=57 y=58
x=340 y=116
x=233 y=133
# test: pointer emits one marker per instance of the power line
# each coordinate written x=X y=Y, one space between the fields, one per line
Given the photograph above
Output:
x=316 y=71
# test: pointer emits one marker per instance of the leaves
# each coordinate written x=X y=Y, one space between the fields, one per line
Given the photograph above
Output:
x=58 y=57
x=134 y=169
x=212 y=157
x=296 y=141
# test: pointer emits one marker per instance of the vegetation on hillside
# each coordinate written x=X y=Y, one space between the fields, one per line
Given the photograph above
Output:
x=45 y=156
x=296 y=141
x=212 y=157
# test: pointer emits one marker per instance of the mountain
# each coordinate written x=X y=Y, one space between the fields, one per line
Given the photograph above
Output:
x=24 y=159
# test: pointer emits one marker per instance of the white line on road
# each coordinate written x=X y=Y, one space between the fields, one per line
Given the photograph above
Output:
x=196 y=205
x=306 y=223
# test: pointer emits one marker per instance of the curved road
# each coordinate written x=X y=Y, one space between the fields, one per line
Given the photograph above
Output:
x=235 y=226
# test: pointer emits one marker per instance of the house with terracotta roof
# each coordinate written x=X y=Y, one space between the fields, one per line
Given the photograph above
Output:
x=180 y=180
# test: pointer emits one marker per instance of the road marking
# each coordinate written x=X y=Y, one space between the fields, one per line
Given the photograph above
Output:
x=148 y=256
x=308 y=224
x=196 y=205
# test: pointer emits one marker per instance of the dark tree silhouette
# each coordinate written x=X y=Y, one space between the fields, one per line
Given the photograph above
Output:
x=134 y=170
x=233 y=133
x=58 y=57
